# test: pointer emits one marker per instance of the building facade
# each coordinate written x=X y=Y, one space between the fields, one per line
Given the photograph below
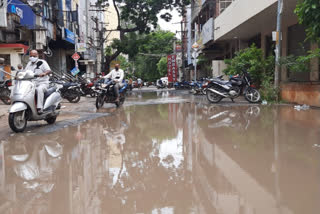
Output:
x=54 y=28
x=223 y=27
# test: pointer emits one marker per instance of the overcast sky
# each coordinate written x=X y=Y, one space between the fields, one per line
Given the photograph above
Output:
x=171 y=26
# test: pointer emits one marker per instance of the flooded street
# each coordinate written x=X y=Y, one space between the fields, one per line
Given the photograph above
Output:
x=162 y=154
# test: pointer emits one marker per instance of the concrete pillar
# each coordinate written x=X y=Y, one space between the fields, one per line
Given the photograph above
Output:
x=284 y=70
x=314 y=65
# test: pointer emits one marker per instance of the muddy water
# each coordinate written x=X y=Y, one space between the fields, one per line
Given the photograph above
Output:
x=168 y=158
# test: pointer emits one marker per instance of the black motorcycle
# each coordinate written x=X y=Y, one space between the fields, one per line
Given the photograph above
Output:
x=219 y=89
x=87 y=89
x=70 y=91
x=5 y=91
x=106 y=94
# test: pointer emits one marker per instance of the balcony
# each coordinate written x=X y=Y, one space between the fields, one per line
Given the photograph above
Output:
x=245 y=17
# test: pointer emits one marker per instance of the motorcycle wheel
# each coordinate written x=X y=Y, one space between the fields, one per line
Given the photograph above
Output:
x=51 y=120
x=5 y=98
x=17 y=121
x=100 y=101
x=93 y=94
x=252 y=95
x=74 y=97
x=213 y=97
x=204 y=91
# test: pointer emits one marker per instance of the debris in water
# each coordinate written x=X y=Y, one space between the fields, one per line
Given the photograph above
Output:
x=303 y=107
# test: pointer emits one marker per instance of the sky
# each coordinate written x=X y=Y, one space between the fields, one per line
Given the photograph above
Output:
x=170 y=26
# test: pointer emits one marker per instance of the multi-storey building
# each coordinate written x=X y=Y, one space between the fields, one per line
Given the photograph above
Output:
x=53 y=27
x=223 y=27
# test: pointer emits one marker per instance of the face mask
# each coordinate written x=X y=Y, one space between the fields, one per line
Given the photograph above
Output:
x=117 y=69
x=33 y=59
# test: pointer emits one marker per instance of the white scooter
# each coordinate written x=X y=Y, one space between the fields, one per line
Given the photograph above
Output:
x=24 y=107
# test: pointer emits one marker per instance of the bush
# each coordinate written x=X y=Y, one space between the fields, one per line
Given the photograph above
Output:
x=251 y=60
x=300 y=63
x=268 y=91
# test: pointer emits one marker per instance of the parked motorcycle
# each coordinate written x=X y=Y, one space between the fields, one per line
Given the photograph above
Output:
x=5 y=91
x=24 y=107
x=182 y=85
x=86 y=88
x=161 y=85
x=105 y=93
x=70 y=91
x=219 y=89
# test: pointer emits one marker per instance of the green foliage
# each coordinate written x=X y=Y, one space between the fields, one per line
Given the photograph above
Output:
x=162 y=66
x=143 y=14
x=267 y=90
x=138 y=16
x=300 y=63
x=308 y=12
x=125 y=64
x=149 y=53
x=251 y=60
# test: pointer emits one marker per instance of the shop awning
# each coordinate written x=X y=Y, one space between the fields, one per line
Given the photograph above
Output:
x=19 y=48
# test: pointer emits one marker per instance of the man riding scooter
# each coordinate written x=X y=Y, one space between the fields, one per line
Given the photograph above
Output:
x=41 y=68
x=116 y=75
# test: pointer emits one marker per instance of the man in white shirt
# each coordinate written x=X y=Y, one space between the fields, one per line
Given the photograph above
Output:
x=41 y=68
x=117 y=75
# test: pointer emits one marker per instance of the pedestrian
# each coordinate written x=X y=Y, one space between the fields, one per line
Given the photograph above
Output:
x=139 y=83
x=41 y=68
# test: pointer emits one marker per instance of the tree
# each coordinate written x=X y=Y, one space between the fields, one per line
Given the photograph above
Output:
x=153 y=47
x=162 y=66
x=308 y=12
x=138 y=16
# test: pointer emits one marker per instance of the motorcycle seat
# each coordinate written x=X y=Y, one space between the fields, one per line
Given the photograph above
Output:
x=49 y=92
x=222 y=82
x=69 y=84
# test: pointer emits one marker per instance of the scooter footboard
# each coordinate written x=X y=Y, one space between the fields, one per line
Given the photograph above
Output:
x=19 y=106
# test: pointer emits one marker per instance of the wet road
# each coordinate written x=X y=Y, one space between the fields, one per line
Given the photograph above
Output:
x=155 y=157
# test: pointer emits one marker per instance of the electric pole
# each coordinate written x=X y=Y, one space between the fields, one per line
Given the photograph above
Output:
x=278 y=45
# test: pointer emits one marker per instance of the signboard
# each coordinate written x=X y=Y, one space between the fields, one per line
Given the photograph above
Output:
x=24 y=11
x=69 y=36
x=172 y=68
x=75 y=56
x=195 y=46
x=178 y=48
x=75 y=71
x=207 y=31
x=81 y=47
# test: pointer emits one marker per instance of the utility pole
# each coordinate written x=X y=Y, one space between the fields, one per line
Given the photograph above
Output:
x=278 y=45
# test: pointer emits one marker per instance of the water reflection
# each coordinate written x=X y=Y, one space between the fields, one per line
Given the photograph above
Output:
x=171 y=158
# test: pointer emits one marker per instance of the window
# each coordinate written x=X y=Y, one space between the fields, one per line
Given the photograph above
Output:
x=47 y=11
x=224 y=4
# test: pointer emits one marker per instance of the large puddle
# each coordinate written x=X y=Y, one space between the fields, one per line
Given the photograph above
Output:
x=168 y=158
